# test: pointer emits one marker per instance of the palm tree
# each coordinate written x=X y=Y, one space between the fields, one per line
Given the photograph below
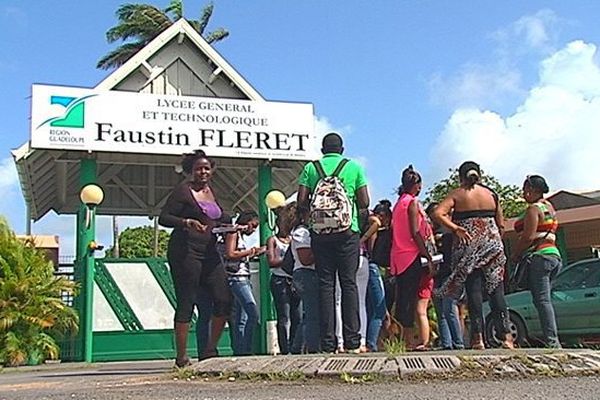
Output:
x=143 y=22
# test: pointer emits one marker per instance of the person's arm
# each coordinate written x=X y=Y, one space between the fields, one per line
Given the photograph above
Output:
x=302 y=197
x=413 y=220
x=170 y=215
x=371 y=234
x=362 y=198
x=231 y=251
x=499 y=217
x=442 y=215
x=527 y=237
x=272 y=254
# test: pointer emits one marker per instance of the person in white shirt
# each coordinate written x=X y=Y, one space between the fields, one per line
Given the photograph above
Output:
x=306 y=283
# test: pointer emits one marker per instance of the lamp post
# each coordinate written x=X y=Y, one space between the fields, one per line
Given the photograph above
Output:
x=90 y=195
x=272 y=200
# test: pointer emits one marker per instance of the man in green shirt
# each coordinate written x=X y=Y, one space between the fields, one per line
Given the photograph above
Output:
x=337 y=253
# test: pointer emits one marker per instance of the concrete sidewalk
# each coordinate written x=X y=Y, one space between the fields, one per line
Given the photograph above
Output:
x=464 y=363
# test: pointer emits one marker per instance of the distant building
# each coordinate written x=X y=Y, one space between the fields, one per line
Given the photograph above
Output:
x=47 y=243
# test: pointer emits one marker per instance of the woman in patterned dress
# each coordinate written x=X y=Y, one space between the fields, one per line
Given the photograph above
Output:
x=478 y=258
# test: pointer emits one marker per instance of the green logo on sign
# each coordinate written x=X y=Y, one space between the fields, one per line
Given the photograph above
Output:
x=74 y=115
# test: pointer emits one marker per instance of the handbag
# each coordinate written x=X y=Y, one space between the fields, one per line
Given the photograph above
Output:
x=519 y=276
x=518 y=279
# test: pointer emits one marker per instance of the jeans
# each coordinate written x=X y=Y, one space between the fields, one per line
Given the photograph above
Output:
x=338 y=254
x=451 y=336
x=287 y=305
x=542 y=270
x=306 y=283
x=362 y=283
x=376 y=307
x=244 y=317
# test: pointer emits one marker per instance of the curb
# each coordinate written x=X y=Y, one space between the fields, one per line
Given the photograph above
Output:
x=461 y=365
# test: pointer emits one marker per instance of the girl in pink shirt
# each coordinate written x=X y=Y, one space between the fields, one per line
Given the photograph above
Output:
x=414 y=282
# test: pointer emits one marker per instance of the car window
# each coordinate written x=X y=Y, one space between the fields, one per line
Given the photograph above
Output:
x=572 y=278
x=593 y=275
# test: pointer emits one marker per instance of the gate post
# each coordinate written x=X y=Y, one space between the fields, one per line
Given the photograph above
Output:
x=266 y=307
x=84 y=265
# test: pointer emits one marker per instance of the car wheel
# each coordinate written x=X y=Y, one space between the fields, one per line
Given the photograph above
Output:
x=516 y=327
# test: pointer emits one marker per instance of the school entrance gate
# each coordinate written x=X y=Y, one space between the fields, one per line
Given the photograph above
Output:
x=127 y=135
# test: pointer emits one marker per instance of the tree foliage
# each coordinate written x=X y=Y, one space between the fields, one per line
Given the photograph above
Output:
x=510 y=195
x=138 y=24
x=139 y=242
x=31 y=308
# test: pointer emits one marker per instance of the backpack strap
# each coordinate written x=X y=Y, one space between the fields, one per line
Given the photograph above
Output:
x=319 y=169
x=340 y=166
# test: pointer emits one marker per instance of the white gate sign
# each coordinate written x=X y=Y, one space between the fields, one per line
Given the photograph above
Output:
x=70 y=118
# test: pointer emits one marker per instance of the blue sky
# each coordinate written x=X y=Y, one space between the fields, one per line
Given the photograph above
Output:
x=514 y=85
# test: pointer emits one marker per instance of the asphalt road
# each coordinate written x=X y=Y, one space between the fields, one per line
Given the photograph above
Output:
x=154 y=384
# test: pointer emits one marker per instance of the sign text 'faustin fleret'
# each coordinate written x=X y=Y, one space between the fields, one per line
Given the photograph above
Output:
x=82 y=119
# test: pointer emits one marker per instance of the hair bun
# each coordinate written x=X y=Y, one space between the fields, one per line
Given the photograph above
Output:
x=473 y=172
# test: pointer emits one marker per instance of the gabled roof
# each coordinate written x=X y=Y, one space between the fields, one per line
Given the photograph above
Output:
x=179 y=30
x=564 y=200
x=178 y=61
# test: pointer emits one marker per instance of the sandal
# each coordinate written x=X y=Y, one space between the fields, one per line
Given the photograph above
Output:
x=185 y=362
x=421 y=347
x=208 y=354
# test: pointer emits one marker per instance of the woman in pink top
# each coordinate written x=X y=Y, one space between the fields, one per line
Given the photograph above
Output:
x=414 y=282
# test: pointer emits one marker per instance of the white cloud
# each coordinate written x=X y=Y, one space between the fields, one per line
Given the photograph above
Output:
x=324 y=126
x=475 y=85
x=490 y=83
x=538 y=30
x=8 y=174
x=554 y=131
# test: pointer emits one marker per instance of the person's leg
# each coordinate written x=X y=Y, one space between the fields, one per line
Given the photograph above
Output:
x=422 y=323
x=501 y=317
x=442 y=323
x=540 y=271
x=362 y=282
x=346 y=253
x=205 y=311
x=296 y=318
x=406 y=300
x=215 y=283
x=339 y=323
x=474 y=289
x=185 y=272
x=281 y=299
x=243 y=292
x=234 y=322
x=377 y=306
x=450 y=311
x=326 y=271
x=306 y=284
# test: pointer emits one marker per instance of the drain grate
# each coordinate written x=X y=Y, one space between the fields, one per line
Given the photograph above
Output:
x=413 y=362
x=336 y=364
x=443 y=363
x=366 y=364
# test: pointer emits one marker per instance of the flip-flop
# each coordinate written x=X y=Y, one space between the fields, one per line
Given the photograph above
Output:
x=186 y=362
x=421 y=347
